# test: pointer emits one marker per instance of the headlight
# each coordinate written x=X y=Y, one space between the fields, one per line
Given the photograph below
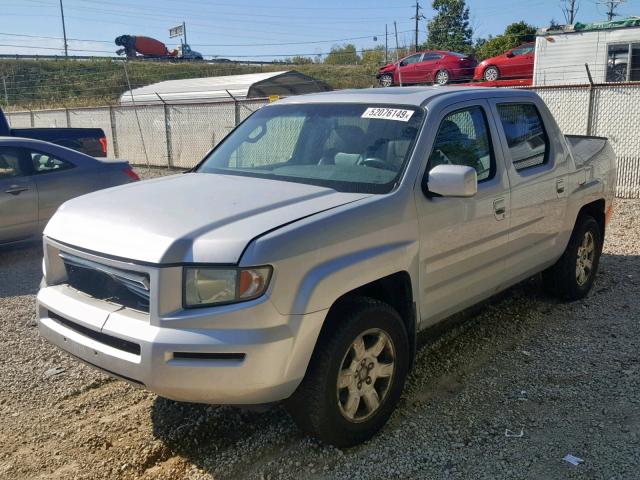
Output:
x=204 y=286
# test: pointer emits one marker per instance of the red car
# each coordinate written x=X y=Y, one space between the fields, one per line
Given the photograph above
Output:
x=515 y=63
x=432 y=66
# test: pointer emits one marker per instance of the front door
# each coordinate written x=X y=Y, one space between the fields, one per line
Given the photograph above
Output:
x=18 y=197
x=461 y=239
x=408 y=69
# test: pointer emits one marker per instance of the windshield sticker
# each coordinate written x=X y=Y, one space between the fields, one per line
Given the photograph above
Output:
x=388 y=114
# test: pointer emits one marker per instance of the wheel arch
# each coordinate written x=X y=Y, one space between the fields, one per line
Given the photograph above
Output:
x=395 y=290
x=595 y=209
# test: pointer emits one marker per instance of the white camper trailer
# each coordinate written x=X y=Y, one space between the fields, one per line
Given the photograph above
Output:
x=610 y=49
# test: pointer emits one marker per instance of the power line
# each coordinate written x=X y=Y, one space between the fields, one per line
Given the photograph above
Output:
x=612 y=6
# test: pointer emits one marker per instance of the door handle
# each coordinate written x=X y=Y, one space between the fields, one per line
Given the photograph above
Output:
x=560 y=186
x=499 y=209
x=15 y=189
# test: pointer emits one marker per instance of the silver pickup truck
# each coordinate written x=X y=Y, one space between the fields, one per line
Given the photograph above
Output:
x=300 y=258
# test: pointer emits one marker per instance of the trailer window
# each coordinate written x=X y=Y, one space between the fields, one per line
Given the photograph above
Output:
x=623 y=62
x=527 y=140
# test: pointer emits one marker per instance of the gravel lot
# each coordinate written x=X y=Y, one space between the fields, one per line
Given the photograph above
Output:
x=556 y=378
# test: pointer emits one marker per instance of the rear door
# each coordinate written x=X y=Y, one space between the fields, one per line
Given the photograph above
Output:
x=537 y=166
x=18 y=197
x=427 y=68
x=462 y=239
x=57 y=180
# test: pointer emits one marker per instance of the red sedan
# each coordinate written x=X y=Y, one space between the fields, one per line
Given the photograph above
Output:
x=432 y=66
x=515 y=63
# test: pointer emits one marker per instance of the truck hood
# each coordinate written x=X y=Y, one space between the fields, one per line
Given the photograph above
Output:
x=194 y=217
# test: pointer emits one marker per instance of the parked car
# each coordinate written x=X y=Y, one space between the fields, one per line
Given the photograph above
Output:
x=515 y=63
x=37 y=177
x=91 y=141
x=298 y=260
x=431 y=66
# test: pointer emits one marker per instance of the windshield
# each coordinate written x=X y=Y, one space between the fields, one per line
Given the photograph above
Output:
x=347 y=147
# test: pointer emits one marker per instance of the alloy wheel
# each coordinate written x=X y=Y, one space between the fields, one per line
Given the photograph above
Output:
x=365 y=375
x=585 y=258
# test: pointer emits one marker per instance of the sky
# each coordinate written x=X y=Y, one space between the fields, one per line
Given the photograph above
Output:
x=251 y=29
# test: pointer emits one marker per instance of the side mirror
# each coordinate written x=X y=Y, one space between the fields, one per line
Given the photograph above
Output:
x=510 y=54
x=453 y=181
x=402 y=63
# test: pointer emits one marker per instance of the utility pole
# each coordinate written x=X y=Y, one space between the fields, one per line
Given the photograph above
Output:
x=64 y=31
x=395 y=27
x=386 y=45
x=570 y=10
x=612 y=5
x=417 y=18
x=184 y=33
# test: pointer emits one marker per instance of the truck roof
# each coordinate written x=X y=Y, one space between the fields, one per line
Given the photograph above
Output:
x=417 y=96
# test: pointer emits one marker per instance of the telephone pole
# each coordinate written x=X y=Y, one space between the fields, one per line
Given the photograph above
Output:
x=418 y=16
x=64 y=31
x=612 y=5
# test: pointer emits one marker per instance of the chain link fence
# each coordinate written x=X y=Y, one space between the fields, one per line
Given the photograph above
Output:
x=180 y=135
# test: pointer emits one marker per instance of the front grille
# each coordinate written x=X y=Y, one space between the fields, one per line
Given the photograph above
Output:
x=124 y=287
x=115 y=342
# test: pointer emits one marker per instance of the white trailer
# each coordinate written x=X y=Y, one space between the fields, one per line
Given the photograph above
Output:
x=611 y=49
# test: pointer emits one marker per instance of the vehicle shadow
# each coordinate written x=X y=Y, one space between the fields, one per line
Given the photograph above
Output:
x=229 y=443
x=20 y=269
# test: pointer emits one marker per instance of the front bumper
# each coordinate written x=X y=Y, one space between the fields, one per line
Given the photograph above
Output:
x=235 y=354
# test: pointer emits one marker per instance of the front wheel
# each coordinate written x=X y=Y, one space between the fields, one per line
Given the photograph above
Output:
x=386 y=80
x=491 y=74
x=356 y=374
x=573 y=275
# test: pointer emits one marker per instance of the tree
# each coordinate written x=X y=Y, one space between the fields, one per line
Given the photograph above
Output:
x=299 y=60
x=570 y=10
x=345 y=55
x=449 y=29
x=515 y=34
x=374 y=57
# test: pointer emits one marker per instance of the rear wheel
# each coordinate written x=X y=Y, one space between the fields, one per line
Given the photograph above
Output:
x=491 y=74
x=573 y=275
x=355 y=376
x=442 y=77
x=386 y=80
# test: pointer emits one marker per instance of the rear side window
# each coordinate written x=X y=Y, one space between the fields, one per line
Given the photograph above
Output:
x=10 y=163
x=463 y=139
x=44 y=163
x=527 y=140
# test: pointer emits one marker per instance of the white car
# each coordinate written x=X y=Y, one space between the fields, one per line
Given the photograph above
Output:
x=297 y=262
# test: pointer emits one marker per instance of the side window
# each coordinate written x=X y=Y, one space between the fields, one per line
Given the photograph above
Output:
x=412 y=59
x=44 y=162
x=431 y=56
x=10 y=163
x=528 y=142
x=463 y=139
x=523 y=50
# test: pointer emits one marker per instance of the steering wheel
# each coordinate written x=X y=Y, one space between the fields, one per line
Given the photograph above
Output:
x=376 y=163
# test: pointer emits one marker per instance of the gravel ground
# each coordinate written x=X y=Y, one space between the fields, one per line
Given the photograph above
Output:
x=506 y=392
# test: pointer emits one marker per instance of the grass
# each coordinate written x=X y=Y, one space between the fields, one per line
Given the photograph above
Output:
x=41 y=84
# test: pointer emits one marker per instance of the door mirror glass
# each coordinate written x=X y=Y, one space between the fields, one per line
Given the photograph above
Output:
x=453 y=181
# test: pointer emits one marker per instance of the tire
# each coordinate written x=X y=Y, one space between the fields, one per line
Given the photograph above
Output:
x=314 y=407
x=442 y=78
x=573 y=274
x=386 y=80
x=491 y=74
